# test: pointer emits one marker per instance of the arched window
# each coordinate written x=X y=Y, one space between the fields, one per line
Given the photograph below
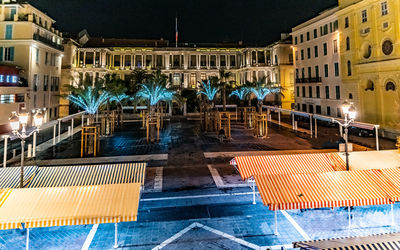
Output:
x=390 y=86
x=370 y=86
x=348 y=68
x=347 y=43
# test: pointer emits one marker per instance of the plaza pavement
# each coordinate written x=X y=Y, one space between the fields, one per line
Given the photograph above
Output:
x=191 y=201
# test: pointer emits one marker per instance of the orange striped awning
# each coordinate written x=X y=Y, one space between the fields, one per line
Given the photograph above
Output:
x=64 y=206
x=391 y=175
x=319 y=190
x=288 y=164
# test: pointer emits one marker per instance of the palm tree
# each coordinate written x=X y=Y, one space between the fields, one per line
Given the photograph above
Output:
x=225 y=84
x=241 y=93
x=154 y=92
x=137 y=78
x=209 y=90
x=263 y=89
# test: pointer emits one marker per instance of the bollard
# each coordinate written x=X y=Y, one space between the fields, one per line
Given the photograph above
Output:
x=54 y=134
x=72 y=127
x=59 y=131
x=14 y=153
x=34 y=145
x=29 y=150
x=69 y=131
x=5 y=151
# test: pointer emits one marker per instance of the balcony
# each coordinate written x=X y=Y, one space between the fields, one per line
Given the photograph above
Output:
x=47 y=41
x=309 y=80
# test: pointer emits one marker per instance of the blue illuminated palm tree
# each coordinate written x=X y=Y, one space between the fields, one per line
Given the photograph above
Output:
x=241 y=93
x=155 y=92
x=89 y=99
x=209 y=90
x=262 y=90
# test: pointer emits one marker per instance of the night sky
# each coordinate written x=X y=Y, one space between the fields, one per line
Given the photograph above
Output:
x=252 y=21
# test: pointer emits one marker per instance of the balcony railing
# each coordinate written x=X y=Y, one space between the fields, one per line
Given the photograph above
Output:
x=47 y=41
x=309 y=80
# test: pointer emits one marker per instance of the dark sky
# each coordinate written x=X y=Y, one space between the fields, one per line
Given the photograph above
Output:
x=253 y=21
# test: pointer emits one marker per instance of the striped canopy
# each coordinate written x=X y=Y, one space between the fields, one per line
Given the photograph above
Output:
x=62 y=206
x=330 y=189
x=82 y=175
x=288 y=164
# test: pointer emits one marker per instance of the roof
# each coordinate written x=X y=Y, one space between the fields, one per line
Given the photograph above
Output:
x=117 y=42
x=62 y=206
x=288 y=164
x=329 y=189
x=378 y=241
x=80 y=175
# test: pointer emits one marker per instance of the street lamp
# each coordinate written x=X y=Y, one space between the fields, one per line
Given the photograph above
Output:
x=350 y=114
x=21 y=119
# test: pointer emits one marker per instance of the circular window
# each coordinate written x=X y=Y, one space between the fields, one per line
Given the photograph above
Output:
x=387 y=47
x=390 y=86
x=370 y=86
x=367 y=51
x=350 y=96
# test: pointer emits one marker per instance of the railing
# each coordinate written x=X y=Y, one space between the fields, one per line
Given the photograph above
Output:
x=47 y=41
x=309 y=80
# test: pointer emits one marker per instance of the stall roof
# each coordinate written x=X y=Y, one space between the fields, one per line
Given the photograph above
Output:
x=329 y=189
x=62 y=206
x=288 y=164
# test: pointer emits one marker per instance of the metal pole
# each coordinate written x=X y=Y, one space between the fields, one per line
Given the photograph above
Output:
x=72 y=127
x=27 y=238
x=21 y=181
x=377 y=137
x=34 y=144
x=316 y=128
x=116 y=236
x=293 y=121
x=279 y=117
x=5 y=151
x=276 y=223
x=54 y=134
x=59 y=131
x=311 y=127
x=83 y=120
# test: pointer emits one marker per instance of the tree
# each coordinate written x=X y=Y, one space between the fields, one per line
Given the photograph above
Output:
x=263 y=89
x=154 y=92
x=224 y=85
x=241 y=93
x=209 y=90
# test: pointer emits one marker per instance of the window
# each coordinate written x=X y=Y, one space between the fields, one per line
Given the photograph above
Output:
x=384 y=8
x=364 y=17
x=325 y=49
x=325 y=29
x=303 y=94
x=308 y=53
x=317 y=71
x=327 y=92
x=298 y=91
x=346 y=22
x=7 y=99
x=318 y=92
x=9 y=32
x=311 y=108
x=46 y=58
x=335 y=25
x=193 y=80
x=233 y=60
x=326 y=70
x=318 y=109
x=337 y=88
x=347 y=43
x=295 y=40
x=328 y=110
x=336 y=69
x=350 y=96
x=45 y=82
x=316 y=51
x=304 y=107
x=222 y=61
x=298 y=106
x=310 y=91
x=335 y=46
x=37 y=56
x=297 y=73
x=387 y=47
x=348 y=68
x=302 y=54
x=308 y=36
x=390 y=86
x=315 y=33
x=9 y=54
x=301 y=38
x=35 y=82
x=302 y=73
x=309 y=72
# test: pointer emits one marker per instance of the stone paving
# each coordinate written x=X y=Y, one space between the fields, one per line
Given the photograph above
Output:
x=191 y=208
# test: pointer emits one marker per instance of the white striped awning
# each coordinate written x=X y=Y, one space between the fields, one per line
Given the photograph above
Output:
x=390 y=241
x=81 y=175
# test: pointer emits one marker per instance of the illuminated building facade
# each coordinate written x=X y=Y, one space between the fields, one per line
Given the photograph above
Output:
x=30 y=58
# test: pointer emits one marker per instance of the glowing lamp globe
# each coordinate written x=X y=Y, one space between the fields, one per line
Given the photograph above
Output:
x=23 y=118
x=14 y=121
x=352 y=112
x=346 y=107
x=38 y=119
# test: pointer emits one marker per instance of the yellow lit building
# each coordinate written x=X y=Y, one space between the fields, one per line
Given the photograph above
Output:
x=370 y=60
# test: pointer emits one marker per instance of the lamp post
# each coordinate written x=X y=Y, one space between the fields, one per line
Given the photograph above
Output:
x=21 y=119
x=350 y=114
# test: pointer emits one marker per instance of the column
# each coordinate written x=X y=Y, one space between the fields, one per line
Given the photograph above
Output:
x=84 y=58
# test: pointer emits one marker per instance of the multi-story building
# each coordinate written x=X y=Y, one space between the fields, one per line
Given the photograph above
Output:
x=31 y=49
x=370 y=56
x=185 y=65
x=317 y=65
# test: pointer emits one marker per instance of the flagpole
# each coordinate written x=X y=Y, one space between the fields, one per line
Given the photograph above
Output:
x=176 y=31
